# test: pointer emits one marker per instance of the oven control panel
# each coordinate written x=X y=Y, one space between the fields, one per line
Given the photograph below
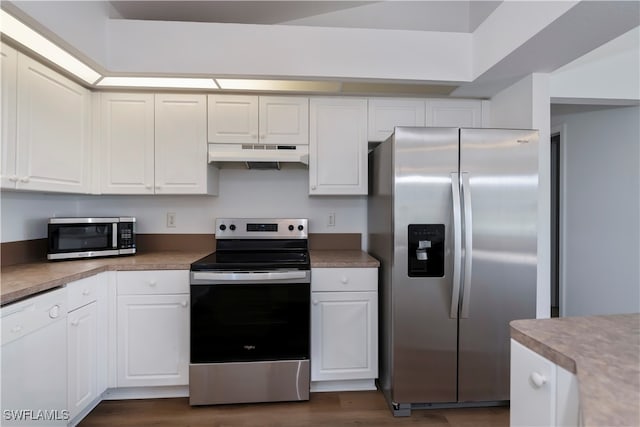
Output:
x=262 y=228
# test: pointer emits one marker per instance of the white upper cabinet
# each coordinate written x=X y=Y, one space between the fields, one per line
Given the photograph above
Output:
x=127 y=143
x=454 y=113
x=386 y=113
x=246 y=119
x=52 y=121
x=155 y=144
x=284 y=120
x=181 y=146
x=233 y=119
x=338 y=146
x=9 y=58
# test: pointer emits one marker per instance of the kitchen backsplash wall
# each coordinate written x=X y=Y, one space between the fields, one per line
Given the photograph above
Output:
x=243 y=193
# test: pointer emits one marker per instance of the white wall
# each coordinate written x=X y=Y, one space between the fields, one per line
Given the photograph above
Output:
x=526 y=105
x=243 y=193
x=618 y=60
x=600 y=228
x=282 y=50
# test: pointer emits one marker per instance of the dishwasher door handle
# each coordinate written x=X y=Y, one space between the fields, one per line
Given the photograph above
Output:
x=239 y=276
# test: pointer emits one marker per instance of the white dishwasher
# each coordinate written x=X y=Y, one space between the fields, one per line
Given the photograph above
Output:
x=34 y=361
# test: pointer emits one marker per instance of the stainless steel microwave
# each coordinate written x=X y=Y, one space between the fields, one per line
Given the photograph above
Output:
x=73 y=238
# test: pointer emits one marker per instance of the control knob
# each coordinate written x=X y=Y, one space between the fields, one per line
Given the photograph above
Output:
x=291 y=228
x=300 y=227
x=232 y=227
x=223 y=227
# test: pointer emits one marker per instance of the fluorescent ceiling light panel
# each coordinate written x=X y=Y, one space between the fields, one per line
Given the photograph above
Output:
x=279 y=85
x=158 y=82
x=24 y=35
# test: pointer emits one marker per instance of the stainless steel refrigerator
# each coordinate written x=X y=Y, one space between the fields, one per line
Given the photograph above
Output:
x=452 y=217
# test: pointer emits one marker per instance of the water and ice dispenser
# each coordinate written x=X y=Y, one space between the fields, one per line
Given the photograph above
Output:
x=426 y=250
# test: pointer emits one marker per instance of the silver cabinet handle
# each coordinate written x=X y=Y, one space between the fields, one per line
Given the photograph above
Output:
x=468 y=245
x=457 y=245
x=249 y=277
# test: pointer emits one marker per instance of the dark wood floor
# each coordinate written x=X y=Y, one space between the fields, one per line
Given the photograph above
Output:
x=323 y=409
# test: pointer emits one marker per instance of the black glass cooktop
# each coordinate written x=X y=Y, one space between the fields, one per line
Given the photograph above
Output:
x=253 y=260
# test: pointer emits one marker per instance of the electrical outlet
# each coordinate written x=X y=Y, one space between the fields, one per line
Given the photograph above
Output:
x=331 y=221
x=171 y=219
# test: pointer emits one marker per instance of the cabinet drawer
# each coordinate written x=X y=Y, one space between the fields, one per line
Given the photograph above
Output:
x=22 y=318
x=344 y=279
x=82 y=292
x=153 y=282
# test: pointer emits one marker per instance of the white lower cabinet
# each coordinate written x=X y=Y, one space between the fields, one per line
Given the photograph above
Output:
x=152 y=328
x=87 y=343
x=542 y=393
x=344 y=328
x=82 y=360
x=34 y=361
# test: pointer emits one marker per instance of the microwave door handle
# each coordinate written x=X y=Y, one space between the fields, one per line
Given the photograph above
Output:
x=114 y=239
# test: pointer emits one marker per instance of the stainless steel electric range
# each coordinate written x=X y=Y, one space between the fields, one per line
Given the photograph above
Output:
x=250 y=314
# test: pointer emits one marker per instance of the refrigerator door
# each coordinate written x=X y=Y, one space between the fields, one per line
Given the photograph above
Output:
x=424 y=331
x=500 y=193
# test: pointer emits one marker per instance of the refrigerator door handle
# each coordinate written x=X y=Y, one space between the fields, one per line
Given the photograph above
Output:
x=457 y=245
x=468 y=245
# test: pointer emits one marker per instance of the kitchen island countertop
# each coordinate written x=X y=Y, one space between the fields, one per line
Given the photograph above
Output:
x=23 y=280
x=603 y=352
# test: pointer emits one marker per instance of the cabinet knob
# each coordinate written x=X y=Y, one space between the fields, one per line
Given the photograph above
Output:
x=86 y=292
x=313 y=187
x=184 y=303
x=152 y=283
x=16 y=329
x=148 y=187
x=13 y=178
x=54 y=312
x=24 y=179
x=75 y=322
x=344 y=280
x=537 y=379
x=315 y=302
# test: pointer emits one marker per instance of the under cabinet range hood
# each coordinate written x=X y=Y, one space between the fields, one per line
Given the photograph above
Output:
x=258 y=156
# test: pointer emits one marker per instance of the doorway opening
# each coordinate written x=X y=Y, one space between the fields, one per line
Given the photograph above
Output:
x=555 y=224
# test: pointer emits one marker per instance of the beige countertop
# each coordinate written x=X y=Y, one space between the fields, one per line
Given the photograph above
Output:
x=603 y=352
x=19 y=281
x=342 y=259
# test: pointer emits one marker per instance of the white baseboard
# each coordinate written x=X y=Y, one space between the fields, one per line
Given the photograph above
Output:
x=348 y=385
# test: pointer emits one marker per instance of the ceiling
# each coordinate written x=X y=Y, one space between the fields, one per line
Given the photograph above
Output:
x=442 y=16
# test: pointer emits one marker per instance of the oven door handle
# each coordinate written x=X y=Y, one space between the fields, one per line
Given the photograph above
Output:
x=249 y=276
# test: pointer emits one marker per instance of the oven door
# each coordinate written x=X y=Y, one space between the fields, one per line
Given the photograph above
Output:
x=246 y=317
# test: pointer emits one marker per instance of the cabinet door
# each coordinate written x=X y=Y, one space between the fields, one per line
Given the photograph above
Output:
x=233 y=119
x=284 y=120
x=53 y=123
x=386 y=113
x=344 y=339
x=338 y=146
x=454 y=113
x=82 y=362
x=181 y=144
x=127 y=143
x=34 y=360
x=153 y=340
x=533 y=388
x=9 y=63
